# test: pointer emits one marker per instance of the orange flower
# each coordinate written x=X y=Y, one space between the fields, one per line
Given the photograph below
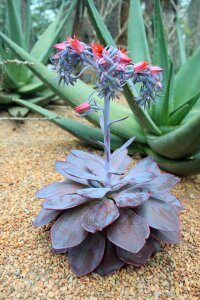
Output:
x=60 y=46
x=76 y=45
x=97 y=50
x=141 y=66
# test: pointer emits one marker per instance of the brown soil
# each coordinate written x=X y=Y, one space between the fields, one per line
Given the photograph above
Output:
x=28 y=268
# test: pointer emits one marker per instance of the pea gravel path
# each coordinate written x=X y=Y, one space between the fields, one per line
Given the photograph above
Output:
x=28 y=268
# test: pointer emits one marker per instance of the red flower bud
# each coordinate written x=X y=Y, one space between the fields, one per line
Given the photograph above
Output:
x=141 y=66
x=76 y=45
x=60 y=46
x=82 y=107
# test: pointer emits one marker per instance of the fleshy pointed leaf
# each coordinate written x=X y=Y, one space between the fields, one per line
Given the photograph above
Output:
x=137 y=40
x=58 y=189
x=59 y=202
x=185 y=78
x=129 y=231
x=140 y=258
x=93 y=192
x=124 y=199
x=99 y=215
x=159 y=215
x=45 y=217
x=67 y=230
x=110 y=262
x=85 y=257
x=172 y=237
x=162 y=183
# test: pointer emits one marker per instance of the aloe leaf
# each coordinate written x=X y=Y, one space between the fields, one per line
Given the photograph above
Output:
x=14 y=22
x=160 y=111
x=18 y=111
x=183 y=167
x=187 y=80
x=84 y=132
x=182 y=142
x=181 y=44
x=100 y=27
x=15 y=32
x=28 y=24
x=31 y=88
x=137 y=40
x=181 y=112
x=7 y=98
x=105 y=37
x=42 y=47
x=76 y=95
x=160 y=47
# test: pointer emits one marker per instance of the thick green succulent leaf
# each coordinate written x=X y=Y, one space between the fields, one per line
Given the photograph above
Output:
x=51 y=34
x=6 y=99
x=105 y=37
x=31 y=88
x=137 y=40
x=14 y=24
x=15 y=32
x=160 y=48
x=181 y=112
x=100 y=27
x=83 y=132
x=180 y=143
x=187 y=80
x=160 y=111
x=181 y=44
x=18 y=111
x=27 y=24
x=182 y=167
x=76 y=95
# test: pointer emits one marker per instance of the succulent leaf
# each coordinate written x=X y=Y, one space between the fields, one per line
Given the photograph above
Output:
x=159 y=215
x=93 y=221
x=67 y=230
x=129 y=231
x=110 y=262
x=140 y=258
x=86 y=257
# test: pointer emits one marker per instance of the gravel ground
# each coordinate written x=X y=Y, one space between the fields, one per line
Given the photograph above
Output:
x=28 y=268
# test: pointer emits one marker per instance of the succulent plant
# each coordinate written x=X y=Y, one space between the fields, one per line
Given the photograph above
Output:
x=106 y=217
x=102 y=228
x=168 y=130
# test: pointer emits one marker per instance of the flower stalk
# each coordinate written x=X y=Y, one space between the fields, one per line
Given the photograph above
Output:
x=106 y=116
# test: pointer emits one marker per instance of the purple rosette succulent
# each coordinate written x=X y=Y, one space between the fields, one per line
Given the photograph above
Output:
x=105 y=216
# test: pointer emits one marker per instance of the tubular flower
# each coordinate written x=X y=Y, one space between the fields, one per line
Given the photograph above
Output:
x=141 y=66
x=102 y=228
x=76 y=45
x=85 y=106
x=97 y=50
x=124 y=59
x=155 y=70
x=60 y=46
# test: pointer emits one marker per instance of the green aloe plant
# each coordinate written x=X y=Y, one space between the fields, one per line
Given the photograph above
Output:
x=169 y=131
x=16 y=80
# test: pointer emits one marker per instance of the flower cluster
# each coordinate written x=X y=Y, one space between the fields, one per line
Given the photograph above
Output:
x=102 y=228
x=113 y=69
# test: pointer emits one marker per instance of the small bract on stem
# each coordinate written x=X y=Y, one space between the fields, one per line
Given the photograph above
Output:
x=106 y=217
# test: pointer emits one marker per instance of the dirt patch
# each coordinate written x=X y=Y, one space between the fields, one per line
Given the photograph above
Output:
x=28 y=268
